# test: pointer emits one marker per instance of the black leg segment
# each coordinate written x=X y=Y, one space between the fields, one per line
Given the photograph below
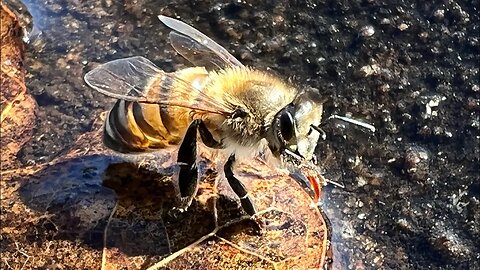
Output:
x=187 y=156
x=238 y=187
x=207 y=137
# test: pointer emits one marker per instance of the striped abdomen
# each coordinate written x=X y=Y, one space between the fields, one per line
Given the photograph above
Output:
x=136 y=127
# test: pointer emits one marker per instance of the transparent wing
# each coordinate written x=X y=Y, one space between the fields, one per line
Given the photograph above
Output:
x=129 y=79
x=196 y=47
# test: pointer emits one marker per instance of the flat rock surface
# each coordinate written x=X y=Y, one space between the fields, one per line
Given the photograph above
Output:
x=411 y=196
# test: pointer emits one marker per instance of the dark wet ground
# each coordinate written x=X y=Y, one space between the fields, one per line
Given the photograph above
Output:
x=412 y=190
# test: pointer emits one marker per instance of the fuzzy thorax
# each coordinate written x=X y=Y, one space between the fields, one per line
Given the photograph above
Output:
x=260 y=95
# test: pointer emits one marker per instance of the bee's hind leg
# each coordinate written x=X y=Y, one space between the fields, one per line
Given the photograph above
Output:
x=238 y=187
x=187 y=155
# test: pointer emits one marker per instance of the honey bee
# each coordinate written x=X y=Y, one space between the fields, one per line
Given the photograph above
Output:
x=229 y=105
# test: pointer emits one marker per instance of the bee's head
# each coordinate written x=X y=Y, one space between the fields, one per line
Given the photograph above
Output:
x=291 y=130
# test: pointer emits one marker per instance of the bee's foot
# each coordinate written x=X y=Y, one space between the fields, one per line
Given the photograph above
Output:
x=259 y=225
x=179 y=210
x=176 y=212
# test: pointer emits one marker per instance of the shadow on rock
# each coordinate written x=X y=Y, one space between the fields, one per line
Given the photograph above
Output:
x=70 y=201
x=116 y=204
x=84 y=197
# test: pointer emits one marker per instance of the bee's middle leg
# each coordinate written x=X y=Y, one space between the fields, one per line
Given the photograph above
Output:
x=238 y=187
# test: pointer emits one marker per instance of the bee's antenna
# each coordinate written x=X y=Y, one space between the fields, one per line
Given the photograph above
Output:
x=340 y=185
x=348 y=120
x=353 y=121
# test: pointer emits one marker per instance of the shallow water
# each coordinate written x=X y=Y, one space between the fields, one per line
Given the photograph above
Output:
x=398 y=210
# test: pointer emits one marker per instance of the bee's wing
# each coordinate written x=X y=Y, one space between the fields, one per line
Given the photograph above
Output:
x=196 y=47
x=129 y=78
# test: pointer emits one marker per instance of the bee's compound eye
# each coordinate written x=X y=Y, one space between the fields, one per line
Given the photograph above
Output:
x=286 y=126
